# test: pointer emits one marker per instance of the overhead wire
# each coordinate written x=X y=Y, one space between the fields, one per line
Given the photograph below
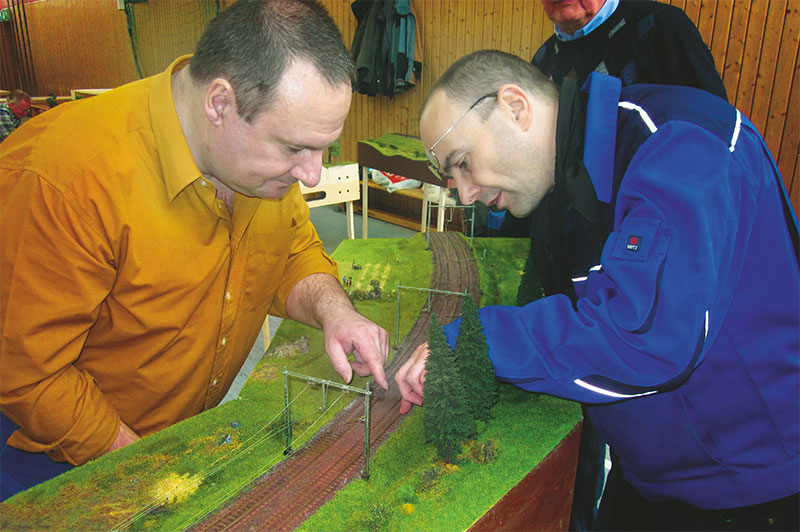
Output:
x=246 y=446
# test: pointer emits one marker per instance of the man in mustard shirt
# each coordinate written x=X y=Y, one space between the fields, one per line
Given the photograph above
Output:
x=147 y=232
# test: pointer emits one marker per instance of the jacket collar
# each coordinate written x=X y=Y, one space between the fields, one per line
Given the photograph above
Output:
x=601 y=132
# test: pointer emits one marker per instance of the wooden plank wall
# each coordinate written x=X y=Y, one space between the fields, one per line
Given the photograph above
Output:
x=79 y=44
x=84 y=43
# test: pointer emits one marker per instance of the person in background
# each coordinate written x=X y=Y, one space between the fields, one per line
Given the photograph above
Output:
x=669 y=251
x=638 y=41
x=12 y=112
x=148 y=231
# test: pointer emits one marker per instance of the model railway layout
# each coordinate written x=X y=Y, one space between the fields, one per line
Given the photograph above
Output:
x=294 y=489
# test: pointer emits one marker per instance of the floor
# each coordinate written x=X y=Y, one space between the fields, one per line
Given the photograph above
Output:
x=331 y=225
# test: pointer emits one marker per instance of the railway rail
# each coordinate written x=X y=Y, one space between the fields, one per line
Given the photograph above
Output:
x=295 y=488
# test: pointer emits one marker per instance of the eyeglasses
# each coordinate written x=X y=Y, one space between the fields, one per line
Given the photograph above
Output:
x=433 y=161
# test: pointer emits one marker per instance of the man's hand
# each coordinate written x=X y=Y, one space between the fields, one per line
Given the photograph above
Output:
x=369 y=343
x=319 y=300
x=125 y=436
x=410 y=378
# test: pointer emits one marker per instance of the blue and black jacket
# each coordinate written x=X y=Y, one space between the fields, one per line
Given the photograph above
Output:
x=683 y=341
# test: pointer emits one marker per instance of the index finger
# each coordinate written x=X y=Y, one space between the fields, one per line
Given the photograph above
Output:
x=374 y=359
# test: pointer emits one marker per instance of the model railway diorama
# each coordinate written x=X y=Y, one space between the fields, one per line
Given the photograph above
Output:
x=290 y=453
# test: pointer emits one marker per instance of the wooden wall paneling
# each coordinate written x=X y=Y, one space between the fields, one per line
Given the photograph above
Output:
x=787 y=156
x=692 y=10
x=9 y=72
x=723 y=13
x=68 y=56
x=516 y=28
x=495 y=41
x=485 y=37
x=544 y=26
x=767 y=63
x=508 y=19
x=778 y=131
x=705 y=21
x=449 y=34
x=463 y=28
x=735 y=49
x=166 y=30
x=527 y=45
x=750 y=60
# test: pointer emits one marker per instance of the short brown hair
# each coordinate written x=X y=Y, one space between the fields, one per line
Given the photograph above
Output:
x=253 y=42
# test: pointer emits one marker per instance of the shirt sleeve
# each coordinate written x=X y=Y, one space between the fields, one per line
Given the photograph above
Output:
x=656 y=299
x=306 y=256
x=56 y=270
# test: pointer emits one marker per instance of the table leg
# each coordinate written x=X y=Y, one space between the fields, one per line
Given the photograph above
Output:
x=364 y=200
x=440 y=221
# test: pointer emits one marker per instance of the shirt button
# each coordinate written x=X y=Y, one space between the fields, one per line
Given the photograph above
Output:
x=227 y=296
x=203 y=182
x=214 y=382
x=224 y=341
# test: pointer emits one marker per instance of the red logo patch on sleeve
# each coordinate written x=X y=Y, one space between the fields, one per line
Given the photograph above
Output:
x=634 y=241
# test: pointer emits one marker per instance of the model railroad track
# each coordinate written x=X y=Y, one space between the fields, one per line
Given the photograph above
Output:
x=294 y=489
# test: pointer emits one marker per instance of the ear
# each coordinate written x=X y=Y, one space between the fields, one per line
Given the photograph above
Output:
x=516 y=103
x=220 y=100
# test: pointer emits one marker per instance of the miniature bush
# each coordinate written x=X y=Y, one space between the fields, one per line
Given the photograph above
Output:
x=483 y=452
x=377 y=518
x=407 y=493
x=430 y=477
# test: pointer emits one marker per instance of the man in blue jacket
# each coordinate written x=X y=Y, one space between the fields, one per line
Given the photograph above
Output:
x=670 y=248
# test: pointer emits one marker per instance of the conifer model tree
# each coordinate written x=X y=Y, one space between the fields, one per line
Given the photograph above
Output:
x=448 y=419
x=530 y=289
x=472 y=359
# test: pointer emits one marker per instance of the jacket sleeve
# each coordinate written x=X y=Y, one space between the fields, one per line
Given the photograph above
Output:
x=654 y=302
x=56 y=270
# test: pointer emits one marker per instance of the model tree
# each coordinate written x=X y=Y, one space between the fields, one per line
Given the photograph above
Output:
x=448 y=419
x=471 y=356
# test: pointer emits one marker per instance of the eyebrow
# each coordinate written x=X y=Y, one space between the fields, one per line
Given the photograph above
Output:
x=309 y=147
x=448 y=161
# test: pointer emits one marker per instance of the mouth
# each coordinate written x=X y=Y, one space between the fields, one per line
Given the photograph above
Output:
x=495 y=203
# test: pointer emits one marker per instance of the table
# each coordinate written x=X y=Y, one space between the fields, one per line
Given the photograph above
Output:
x=401 y=155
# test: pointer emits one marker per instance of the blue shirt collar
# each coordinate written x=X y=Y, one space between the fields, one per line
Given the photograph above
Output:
x=601 y=16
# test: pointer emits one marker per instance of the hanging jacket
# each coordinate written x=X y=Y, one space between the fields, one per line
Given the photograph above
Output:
x=383 y=46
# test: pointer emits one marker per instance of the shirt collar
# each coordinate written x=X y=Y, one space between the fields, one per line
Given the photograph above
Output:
x=177 y=164
x=601 y=132
x=601 y=16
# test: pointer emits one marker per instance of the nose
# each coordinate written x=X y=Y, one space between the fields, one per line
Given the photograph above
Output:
x=309 y=168
x=467 y=192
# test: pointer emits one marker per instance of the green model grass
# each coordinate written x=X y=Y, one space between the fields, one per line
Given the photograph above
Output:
x=173 y=478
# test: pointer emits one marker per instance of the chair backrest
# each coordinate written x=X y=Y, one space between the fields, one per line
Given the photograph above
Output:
x=337 y=184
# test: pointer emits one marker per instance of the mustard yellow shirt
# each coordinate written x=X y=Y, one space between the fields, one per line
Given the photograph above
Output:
x=127 y=291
